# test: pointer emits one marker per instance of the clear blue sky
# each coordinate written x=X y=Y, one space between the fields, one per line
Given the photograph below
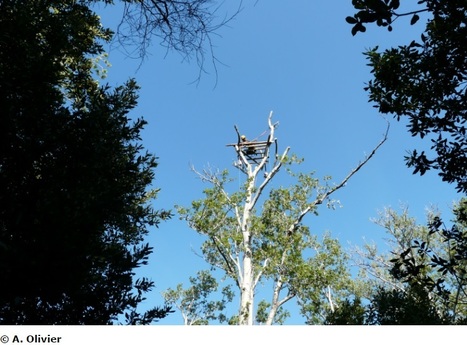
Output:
x=299 y=60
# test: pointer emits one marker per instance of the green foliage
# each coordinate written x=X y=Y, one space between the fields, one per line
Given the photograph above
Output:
x=284 y=253
x=423 y=280
x=350 y=312
x=442 y=273
x=424 y=81
x=262 y=314
x=389 y=307
x=401 y=229
x=74 y=206
x=395 y=307
x=196 y=304
x=324 y=279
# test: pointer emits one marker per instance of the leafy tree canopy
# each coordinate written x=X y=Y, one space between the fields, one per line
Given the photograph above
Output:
x=425 y=280
x=424 y=81
x=73 y=178
x=196 y=303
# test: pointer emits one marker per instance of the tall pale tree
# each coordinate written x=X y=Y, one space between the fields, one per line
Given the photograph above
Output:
x=256 y=235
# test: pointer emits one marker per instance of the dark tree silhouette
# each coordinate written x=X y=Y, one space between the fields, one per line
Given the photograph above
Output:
x=74 y=198
x=424 y=81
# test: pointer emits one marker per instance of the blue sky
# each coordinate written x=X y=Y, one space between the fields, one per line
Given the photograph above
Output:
x=300 y=61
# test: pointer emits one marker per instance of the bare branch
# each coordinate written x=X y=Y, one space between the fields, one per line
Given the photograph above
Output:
x=320 y=199
x=409 y=13
x=329 y=297
x=353 y=172
x=270 y=140
x=260 y=273
x=185 y=26
x=276 y=303
x=269 y=176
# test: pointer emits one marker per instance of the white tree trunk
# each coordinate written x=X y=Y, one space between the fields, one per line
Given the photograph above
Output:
x=246 y=294
x=247 y=280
